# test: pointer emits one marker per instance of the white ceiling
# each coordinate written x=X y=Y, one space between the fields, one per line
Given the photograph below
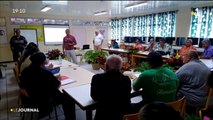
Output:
x=88 y=8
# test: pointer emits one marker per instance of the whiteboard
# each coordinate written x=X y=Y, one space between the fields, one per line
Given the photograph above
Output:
x=30 y=35
x=54 y=34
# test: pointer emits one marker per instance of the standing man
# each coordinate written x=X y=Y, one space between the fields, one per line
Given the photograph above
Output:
x=17 y=44
x=98 y=40
x=68 y=46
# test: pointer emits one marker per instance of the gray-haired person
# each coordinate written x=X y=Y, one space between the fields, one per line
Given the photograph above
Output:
x=111 y=90
x=193 y=76
x=208 y=49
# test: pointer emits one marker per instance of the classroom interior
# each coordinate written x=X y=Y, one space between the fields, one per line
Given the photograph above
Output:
x=84 y=11
x=80 y=18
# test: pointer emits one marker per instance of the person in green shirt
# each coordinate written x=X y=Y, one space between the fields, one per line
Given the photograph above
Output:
x=158 y=83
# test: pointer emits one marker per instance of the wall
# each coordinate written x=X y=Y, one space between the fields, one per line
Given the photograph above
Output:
x=183 y=20
x=6 y=54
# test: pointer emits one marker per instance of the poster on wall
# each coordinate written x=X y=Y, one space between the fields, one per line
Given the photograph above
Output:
x=3 y=35
x=39 y=28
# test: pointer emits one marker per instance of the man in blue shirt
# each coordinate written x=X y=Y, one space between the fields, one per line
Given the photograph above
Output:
x=208 y=49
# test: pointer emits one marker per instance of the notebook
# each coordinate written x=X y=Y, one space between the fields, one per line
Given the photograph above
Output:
x=66 y=80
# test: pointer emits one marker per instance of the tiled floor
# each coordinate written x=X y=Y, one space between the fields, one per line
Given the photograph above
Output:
x=9 y=97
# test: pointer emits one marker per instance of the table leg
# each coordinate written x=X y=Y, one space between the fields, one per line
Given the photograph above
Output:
x=133 y=60
x=69 y=108
x=89 y=114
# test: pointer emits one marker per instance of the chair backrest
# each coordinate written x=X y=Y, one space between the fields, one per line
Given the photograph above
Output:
x=178 y=105
x=16 y=73
x=209 y=97
x=134 y=116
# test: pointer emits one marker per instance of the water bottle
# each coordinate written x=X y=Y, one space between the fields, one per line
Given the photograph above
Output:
x=49 y=50
x=60 y=60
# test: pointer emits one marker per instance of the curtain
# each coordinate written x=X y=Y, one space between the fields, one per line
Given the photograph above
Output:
x=126 y=27
x=201 y=22
x=166 y=24
x=115 y=29
x=155 y=25
x=160 y=24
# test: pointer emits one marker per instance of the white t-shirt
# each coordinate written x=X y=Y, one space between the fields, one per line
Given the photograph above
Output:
x=98 y=39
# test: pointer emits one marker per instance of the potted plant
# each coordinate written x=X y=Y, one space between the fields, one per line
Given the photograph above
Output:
x=96 y=58
x=54 y=54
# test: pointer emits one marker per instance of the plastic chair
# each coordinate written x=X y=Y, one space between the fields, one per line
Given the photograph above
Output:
x=134 y=116
x=179 y=105
x=207 y=104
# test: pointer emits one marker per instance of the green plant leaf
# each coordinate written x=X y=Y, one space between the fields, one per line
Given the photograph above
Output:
x=93 y=56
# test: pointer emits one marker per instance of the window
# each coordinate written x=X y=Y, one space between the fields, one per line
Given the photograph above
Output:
x=155 y=25
x=201 y=22
x=126 y=27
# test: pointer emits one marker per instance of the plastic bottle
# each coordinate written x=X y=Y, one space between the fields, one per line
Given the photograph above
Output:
x=60 y=60
x=49 y=50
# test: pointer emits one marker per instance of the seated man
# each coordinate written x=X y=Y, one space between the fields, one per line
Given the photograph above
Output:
x=114 y=44
x=151 y=45
x=42 y=86
x=158 y=83
x=163 y=47
x=208 y=49
x=31 y=49
x=138 y=45
x=193 y=77
x=188 y=46
x=112 y=91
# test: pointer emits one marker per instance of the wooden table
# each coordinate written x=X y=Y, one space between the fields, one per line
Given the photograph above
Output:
x=144 y=54
x=139 y=54
x=113 y=50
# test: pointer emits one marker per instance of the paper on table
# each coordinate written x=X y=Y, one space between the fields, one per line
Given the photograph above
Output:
x=56 y=66
x=66 y=80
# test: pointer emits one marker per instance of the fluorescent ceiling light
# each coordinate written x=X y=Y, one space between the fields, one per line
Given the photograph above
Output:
x=45 y=9
x=133 y=5
x=56 y=2
x=100 y=13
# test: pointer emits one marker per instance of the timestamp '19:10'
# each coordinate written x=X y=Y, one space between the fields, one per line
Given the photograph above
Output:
x=19 y=10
